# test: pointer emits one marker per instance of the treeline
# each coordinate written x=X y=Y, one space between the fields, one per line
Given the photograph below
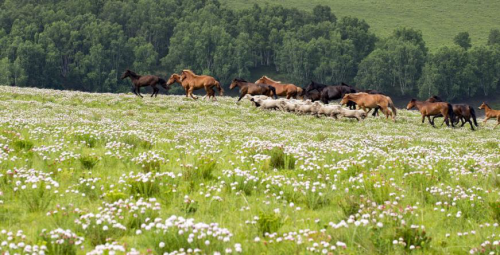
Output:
x=87 y=44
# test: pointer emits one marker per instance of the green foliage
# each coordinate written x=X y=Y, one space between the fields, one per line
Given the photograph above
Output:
x=22 y=145
x=463 y=40
x=89 y=161
x=281 y=160
x=413 y=237
x=269 y=222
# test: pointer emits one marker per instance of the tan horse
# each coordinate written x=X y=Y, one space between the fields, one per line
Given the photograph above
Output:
x=372 y=101
x=288 y=90
x=490 y=113
x=191 y=82
x=428 y=109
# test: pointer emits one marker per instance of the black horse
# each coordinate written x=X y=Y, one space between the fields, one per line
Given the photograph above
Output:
x=325 y=93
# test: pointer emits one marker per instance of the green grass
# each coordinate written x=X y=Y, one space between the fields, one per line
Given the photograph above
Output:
x=439 y=20
x=114 y=168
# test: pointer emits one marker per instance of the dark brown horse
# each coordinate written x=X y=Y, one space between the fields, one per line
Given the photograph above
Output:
x=462 y=112
x=252 y=88
x=428 y=109
x=144 y=81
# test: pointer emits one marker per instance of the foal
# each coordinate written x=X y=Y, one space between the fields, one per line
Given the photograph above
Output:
x=490 y=113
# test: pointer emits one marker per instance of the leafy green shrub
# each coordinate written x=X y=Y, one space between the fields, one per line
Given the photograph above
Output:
x=88 y=161
x=280 y=160
x=20 y=145
x=413 y=237
x=269 y=222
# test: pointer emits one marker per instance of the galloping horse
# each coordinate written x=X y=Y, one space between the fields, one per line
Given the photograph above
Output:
x=191 y=82
x=462 y=112
x=288 y=90
x=253 y=89
x=143 y=81
x=328 y=92
x=428 y=109
x=369 y=101
x=490 y=113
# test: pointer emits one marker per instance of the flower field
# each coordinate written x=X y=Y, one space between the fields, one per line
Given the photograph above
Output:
x=115 y=174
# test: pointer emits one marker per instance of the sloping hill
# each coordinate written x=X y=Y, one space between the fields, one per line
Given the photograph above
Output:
x=439 y=20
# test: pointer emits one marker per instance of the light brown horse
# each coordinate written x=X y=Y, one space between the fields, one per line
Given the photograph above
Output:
x=191 y=82
x=490 y=113
x=428 y=109
x=176 y=78
x=372 y=101
x=288 y=90
x=143 y=81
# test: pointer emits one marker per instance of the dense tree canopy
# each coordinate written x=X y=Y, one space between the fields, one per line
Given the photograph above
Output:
x=87 y=44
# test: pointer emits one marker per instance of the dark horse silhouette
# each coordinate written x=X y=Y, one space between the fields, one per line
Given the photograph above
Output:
x=326 y=93
x=142 y=81
x=462 y=112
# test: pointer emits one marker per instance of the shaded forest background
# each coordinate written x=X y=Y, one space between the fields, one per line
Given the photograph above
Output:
x=87 y=44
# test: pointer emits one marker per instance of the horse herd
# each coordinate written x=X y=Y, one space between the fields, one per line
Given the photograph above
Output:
x=315 y=98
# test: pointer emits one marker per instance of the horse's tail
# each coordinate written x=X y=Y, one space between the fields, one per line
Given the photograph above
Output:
x=163 y=83
x=451 y=114
x=221 y=90
x=473 y=114
x=273 y=89
x=393 y=108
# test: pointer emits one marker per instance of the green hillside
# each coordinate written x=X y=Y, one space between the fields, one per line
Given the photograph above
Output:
x=439 y=20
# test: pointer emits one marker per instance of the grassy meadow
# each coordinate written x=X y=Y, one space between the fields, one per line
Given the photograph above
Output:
x=115 y=174
x=439 y=20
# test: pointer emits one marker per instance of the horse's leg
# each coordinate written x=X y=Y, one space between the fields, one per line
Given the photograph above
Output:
x=134 y=90
x=429 y=119
x=139 y=92
x=154 y=90
x=190 y=92
x=486 y=119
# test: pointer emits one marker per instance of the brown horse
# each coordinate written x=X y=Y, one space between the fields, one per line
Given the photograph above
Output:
x=144 y=81
x=490 y=113
x=252 y=88
x=428 y=109
x=462 y=112
x=288 y=90
x=369 y=101
x=191 y=82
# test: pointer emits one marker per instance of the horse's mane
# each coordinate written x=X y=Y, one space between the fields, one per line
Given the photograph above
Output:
x=132 y=73
x=240 y=80
x=190 y=72
x=270 y=79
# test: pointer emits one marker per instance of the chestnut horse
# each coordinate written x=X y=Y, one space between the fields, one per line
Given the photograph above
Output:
x=490 y=113
x=253 y=89
x=191 y=82
x=369 y=101
x=428 y=109
x=143 y=81
x=288 y=90
x=462 y=112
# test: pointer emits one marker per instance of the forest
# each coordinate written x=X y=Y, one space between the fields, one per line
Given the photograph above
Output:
x=86 y=45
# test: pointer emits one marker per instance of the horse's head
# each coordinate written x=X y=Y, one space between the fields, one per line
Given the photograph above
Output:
x=483 y=106
x=345 y=99
x=411 y=104
x=126 y=74
x=173 y=79
x=235 y=83
x=310 y=86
